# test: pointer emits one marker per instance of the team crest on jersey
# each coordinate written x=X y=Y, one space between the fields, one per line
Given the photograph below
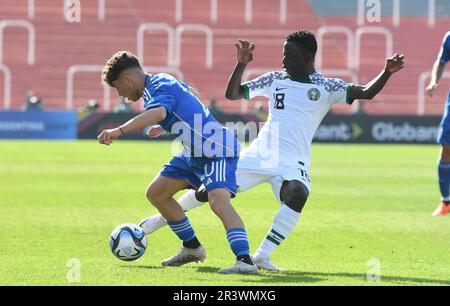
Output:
x=314 y=94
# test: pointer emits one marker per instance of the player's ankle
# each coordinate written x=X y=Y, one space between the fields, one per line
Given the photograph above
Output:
x=192 y=244
x=245 y=258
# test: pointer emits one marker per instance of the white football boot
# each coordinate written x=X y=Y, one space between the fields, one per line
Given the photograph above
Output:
x=240 y=267
x=185 y=256
x=263 y=263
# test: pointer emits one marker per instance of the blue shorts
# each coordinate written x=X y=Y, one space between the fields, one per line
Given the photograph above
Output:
x=213 y=173
x=444 y=131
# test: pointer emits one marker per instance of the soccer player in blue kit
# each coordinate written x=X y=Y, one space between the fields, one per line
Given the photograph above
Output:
x=209 y=157
x=444 y=132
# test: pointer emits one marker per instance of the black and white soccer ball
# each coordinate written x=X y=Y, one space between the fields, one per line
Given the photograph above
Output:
x=128 y=242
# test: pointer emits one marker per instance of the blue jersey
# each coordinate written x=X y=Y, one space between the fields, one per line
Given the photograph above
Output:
x=444 y=131
x=444 y=54
x=187 y=118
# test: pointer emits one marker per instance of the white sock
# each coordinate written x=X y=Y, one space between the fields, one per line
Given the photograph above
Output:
x=283 y=224
x=187 y=201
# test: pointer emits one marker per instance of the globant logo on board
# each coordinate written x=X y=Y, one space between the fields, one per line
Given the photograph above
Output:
x=333 y=132
x=338 y=132
x=388 y=131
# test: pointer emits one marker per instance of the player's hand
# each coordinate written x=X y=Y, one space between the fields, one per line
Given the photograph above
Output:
x=107 y=136
x=395 y=63
x=244 y=51
x=431 y=88
x=155 y=131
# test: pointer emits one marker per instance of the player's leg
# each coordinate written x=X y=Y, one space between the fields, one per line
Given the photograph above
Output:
x=444 y=163
x=173 y=178
x=219 y=179
x=292 y=196
x=219 y=200
x=188 y=201
x=160 y=193
x=444 y=181
x=246 y=179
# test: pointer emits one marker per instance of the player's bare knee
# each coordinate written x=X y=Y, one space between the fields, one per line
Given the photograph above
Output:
x=154 y=196
x=150 y=194
x=294 y=194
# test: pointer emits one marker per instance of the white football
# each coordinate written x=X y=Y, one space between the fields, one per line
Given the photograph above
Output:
x=128 y=242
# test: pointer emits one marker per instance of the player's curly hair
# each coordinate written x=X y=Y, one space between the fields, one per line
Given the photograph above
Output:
x=306 y=40
x=119 y=62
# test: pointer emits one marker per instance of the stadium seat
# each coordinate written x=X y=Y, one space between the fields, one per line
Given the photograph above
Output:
x=59 y=45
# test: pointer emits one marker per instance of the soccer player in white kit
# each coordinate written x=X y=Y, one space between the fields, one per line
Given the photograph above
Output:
x=299 y=98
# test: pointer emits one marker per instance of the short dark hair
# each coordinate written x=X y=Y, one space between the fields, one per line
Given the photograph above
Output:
x=304 y=39
x=119 y=62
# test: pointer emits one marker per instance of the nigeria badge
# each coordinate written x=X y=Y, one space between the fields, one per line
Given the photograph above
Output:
x=314 y=94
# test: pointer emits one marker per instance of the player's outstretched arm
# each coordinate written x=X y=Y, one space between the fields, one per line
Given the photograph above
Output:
x=369 y=91
x=244 y=56
x=147 y=118
x=436 y=75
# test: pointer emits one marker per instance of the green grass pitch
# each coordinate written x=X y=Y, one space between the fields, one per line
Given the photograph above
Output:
x=60 y=201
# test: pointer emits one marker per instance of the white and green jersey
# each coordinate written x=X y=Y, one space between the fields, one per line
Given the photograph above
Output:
x=296 y=109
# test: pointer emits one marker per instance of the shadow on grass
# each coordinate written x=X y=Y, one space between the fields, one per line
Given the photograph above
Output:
x=316 y=277
x=269 y=277
x=280 y=277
